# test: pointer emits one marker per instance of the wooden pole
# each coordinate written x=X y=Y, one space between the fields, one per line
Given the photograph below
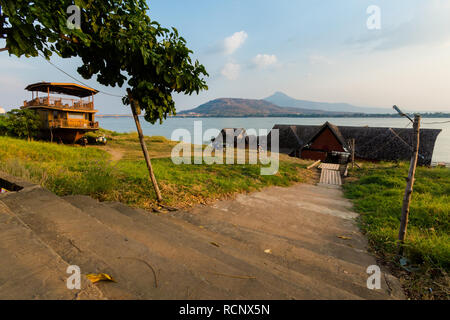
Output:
x=144 y=147
x=410 y=184
x=353 y=153
x=315 y=164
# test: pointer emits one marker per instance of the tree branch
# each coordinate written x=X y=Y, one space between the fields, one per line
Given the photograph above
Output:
x=73 y=40
x=3 y=49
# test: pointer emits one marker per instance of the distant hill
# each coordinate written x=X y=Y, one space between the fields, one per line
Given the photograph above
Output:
x=283 y=100
x=229 y=107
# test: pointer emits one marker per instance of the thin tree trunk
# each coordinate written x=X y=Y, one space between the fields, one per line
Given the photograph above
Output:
x=410 y=184
x=144 y=148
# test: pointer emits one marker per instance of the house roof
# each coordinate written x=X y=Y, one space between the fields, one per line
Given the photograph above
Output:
x=288 y=139
x=71 y=89
x=234 y=131
x=238 y=133
x=335 y=131
x=371 y=143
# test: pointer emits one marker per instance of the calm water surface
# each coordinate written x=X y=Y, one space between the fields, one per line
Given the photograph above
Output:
x=441 y=151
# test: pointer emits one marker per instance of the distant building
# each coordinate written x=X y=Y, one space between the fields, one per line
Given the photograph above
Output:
x=238 y=138
x=2 y=111
x=378 y=144
x=231 y=135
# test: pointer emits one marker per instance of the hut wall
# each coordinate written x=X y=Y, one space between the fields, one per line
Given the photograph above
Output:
x=326 y=141
x=313 y=155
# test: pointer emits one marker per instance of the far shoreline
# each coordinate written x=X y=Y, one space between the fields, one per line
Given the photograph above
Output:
x=361 y=116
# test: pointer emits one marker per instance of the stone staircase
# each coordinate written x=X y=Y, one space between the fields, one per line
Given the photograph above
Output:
x=255 y=247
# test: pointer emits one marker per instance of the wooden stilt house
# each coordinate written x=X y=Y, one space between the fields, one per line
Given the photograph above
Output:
x=62 y=118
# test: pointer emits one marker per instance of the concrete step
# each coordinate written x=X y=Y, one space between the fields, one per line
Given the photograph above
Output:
x=295 y=263
x=308 y=226
x=82 y=240
x=293 y=255
x=192 y=247
x=256 y=221
x=32 y=270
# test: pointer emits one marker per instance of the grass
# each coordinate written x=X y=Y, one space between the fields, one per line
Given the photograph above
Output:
x=377 y=192
x=67 y=170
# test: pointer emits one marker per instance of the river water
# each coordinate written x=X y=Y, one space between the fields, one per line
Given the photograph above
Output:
x=126 y=124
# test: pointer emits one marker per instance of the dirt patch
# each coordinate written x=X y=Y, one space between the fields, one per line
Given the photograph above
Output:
x=116 y=154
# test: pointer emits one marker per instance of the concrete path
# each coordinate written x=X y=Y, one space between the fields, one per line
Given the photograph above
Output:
x=309 y=230
x=282 y=243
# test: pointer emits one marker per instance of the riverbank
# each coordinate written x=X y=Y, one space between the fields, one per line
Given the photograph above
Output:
x=264 y=125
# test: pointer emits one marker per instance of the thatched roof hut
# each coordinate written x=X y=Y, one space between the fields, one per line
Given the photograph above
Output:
x=387 y=144
x=289 y=140
x=240 y=138
x=232 y=134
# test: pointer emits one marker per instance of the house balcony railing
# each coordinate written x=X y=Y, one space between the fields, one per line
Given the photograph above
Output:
x=75 y=124
x=62 y=103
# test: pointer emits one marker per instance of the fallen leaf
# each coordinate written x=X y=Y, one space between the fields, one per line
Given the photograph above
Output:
x=268 y=251
x=99 y=277
x=344 y=238
x=215 y=244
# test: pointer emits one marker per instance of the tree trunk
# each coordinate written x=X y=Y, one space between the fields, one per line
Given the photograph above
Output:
x=144 y=148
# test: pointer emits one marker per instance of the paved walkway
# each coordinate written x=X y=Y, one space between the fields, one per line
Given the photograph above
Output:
x=309 y=230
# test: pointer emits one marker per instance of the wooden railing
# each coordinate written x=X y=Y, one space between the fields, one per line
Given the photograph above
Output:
x=72 y=123
x=62 y=103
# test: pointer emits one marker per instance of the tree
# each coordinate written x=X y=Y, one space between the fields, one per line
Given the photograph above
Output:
x=22 y=123
x=3 y=125
x=116 y=41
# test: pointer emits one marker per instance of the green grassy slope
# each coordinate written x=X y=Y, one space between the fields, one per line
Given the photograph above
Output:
x=68 y=170
x=377 y=191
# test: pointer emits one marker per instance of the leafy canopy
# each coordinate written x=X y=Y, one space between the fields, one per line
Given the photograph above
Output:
x=117 y=42
x=20 y=123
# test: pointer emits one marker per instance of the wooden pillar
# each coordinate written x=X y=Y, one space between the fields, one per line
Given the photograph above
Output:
x=48 y=96
x=410 y=183
x=136 y=113
x=353 y=153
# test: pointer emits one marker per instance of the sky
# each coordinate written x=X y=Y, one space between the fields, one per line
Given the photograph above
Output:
x=367 y=53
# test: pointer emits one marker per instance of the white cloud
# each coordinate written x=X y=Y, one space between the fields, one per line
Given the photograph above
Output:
x=231 y=71
x=265 y=60
x=234 y=42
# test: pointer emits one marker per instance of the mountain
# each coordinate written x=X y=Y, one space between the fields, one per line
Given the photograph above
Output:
x=281 y=99
x=229 y=107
